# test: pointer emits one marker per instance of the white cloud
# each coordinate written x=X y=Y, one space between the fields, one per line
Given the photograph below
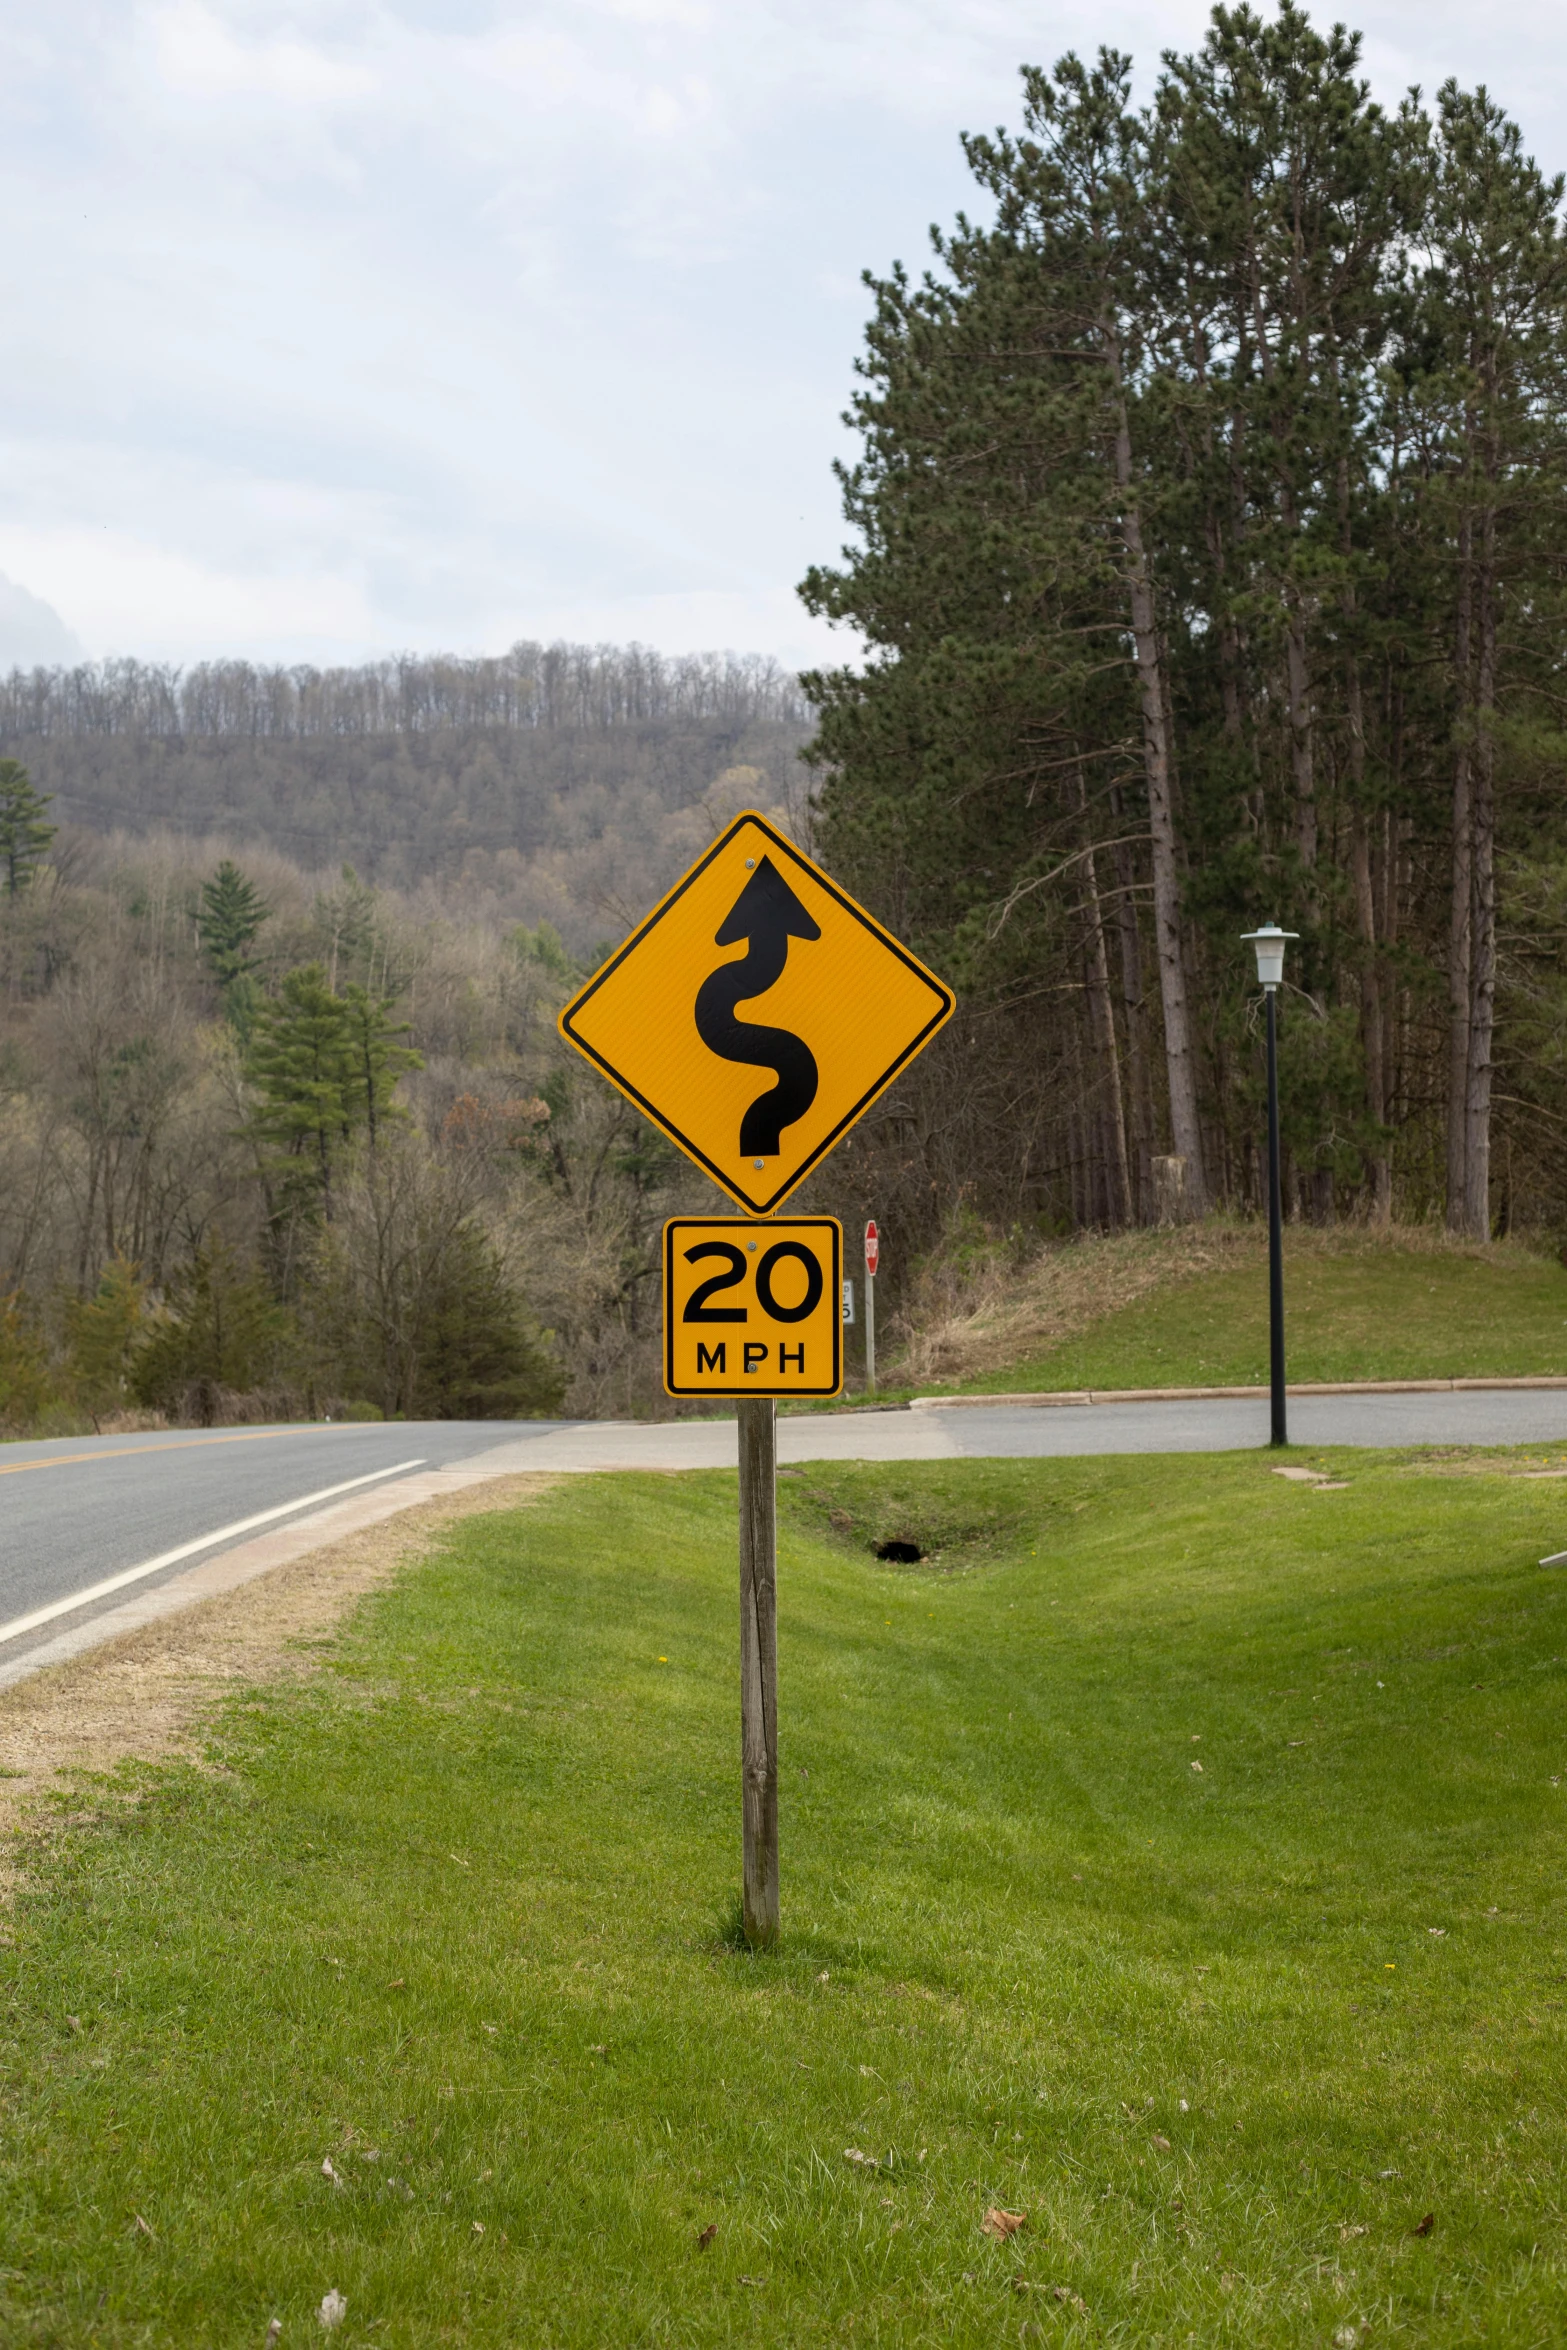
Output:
x=128 y=595
x=347 y=323
x=196 y=52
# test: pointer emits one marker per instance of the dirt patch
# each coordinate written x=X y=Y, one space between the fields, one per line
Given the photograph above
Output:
x=143 y=1696
x=1544 y=1467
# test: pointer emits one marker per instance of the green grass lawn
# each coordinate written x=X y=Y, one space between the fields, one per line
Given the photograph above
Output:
x=451 y=1917
x=1366 y=1314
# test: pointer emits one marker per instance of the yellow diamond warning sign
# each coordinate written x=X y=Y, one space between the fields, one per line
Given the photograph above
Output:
x=756 y=1013
x=753 y=1308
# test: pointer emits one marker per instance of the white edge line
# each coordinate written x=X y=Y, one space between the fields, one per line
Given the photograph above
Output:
x=169 y=1558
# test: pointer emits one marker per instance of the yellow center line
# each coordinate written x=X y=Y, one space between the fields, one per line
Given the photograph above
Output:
x=69 y=1460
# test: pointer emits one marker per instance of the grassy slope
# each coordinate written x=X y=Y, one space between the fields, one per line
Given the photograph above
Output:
x=1367 y=1314
x=458 y=1901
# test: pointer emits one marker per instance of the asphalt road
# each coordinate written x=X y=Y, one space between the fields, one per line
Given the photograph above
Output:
x=81 y=1511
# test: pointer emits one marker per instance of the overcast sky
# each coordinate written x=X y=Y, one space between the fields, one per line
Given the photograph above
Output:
x=354 y=325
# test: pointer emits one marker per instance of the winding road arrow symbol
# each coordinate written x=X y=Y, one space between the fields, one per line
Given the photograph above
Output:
x=766 y=914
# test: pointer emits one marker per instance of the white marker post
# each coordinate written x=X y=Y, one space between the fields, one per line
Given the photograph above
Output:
x=872 y=1252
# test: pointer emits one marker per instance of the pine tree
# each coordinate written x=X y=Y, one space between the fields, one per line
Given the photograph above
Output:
x=231 y=915
x=300 y=1060
x=24 y=836
x=326 y=1067
x=1210 y=513
x=219 y=1327
x=1493 y=321
x=477 y=1357
x=102 y=1332
x=376 y=1058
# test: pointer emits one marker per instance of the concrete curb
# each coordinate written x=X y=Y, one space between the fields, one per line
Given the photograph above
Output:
x=1099 y=1395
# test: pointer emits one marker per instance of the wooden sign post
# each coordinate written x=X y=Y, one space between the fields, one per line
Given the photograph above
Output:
x=753 y=1309
x=759 y=1668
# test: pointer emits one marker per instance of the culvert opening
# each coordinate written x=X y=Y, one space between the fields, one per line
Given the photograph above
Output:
x=901 y=1554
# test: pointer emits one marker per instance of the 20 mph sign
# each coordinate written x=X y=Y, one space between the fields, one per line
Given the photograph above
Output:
x=753 y=1308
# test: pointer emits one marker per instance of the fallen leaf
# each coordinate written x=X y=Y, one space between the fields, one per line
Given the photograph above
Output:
x=401 y=1984
x=1352 y=2227
x=707 y=2235
x=75 y=2022
x=866 y=2161
x=1424 y=2226
x=142 y=2229
x=490 y=2028
x=1002 y=2224
x=332 y=2311
x=327 y=2172
x=1074 y=2300
x=1163 y=2144
x=1196 y=1765
x=274 y=2334
x=748 y=2280
x=478 y=2227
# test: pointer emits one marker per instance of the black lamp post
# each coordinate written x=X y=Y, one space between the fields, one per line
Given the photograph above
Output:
x=1269 y=943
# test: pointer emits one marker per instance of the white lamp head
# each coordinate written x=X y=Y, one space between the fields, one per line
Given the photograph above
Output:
x=1269 y=943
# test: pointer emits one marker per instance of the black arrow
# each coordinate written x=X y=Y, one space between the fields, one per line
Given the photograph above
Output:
x=767 y=914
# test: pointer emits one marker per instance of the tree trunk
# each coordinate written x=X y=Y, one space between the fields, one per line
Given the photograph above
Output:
x=1461 y=909
x=1180 y=1062
x=1482 y=901
x=1379 y=1166
x=1102 y=1013
x=1136 y=1046
x=1302 y=762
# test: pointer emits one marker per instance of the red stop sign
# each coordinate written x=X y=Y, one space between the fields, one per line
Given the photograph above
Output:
x=872 y=1247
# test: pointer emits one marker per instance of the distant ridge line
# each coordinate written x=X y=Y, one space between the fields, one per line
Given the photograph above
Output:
x=533 y=687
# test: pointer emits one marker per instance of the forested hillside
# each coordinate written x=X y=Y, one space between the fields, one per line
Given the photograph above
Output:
x=550 y=784
x=1211 y=522
x=275 y=1144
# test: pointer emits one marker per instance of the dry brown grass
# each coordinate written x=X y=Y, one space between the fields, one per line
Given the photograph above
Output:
x=977 y=1309
x=147 y=1695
